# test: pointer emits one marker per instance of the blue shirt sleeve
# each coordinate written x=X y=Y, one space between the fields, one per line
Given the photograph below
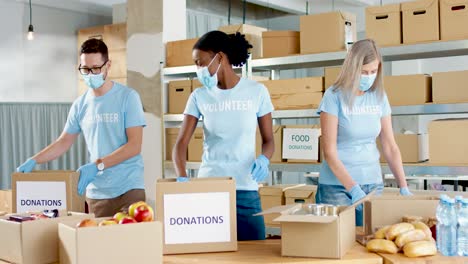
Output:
x=330 y=103
x=192 y=108
x=386 y=109
x=134 y=115
x=264 y=106
x=73 y=120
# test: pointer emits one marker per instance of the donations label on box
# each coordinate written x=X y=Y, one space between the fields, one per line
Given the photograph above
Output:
x=301 y=143
x=37 y=196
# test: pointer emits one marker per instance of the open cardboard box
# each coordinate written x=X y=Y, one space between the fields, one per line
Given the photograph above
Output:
x=32 y=241
x=299 y=233
x=117 y=244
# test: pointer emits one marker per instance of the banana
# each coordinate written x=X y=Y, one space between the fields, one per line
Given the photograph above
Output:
x=410 y=236
x=381 y=232
x=381 y=246
x=420 y=249
x=397 y=229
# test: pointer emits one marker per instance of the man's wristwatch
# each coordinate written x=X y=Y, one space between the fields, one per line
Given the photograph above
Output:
x=100 y=165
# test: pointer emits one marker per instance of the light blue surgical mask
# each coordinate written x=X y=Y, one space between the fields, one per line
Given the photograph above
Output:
x=367 y=81
x=205 y=77
x=94 y=81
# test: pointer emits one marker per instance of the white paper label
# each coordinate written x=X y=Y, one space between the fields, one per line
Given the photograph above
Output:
x=349 y=36
x=301 y=143
x=197 y=218
x=33 y=196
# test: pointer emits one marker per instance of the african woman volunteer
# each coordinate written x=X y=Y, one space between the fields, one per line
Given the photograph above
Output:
x=353 y=113
x=231 y=108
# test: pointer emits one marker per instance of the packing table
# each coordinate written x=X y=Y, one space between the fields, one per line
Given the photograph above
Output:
x=438 y=259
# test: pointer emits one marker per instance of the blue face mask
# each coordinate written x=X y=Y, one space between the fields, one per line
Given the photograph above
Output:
x=367 y=81
x=206 y=78
x=94 y=81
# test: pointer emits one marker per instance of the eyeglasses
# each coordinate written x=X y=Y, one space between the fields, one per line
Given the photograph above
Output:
x=93 y=70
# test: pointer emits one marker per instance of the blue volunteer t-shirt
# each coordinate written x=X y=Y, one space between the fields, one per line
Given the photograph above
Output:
x=103 y=121
x=229 y=124
x=358 y=129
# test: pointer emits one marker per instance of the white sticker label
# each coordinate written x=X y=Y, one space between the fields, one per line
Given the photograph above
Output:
x=301 y=143
x=33 y=196
x=349 y=36
x=197 y=218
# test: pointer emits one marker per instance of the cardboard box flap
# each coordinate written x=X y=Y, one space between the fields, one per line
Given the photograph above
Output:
x=280 y=33
x=277 y=190
x=242 y=28
x=348 y=17
x=383 y=10
x=283 y=209
x=418 y=5
x=301 y=192
x=353 y=206
x=306 y=219
x=174 y=180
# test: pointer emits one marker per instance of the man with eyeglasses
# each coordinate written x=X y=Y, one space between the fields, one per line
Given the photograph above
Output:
x=110 y=115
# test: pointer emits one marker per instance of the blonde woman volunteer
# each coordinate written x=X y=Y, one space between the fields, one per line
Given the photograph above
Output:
x=353 y=113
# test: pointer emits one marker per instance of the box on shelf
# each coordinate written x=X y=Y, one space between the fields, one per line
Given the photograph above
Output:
x=32 y=241
x=331 y=75
x=301 y=143
x=446 y=87
x=420 y=21
x=301 y=194
x=195 y=147
x=408 y=89
x=253 y=35
x=280 y=43
x=115 y=36
x=327 y=32
x=6 y=201
x=40 y=190
x=277 y=137
x=272 y=196
x=179 y=53
x=119 y=63
x=198 y=216
x=414 y=148
x=383 y=24
x=447 y=141
x=452 y=15
x=196 y=84
x=118 y=244
x=179 y=93
x=171 y=139
x=290 y=94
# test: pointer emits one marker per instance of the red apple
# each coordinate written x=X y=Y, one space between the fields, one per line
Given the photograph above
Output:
x=127 y=220
x=144 y=213
x=133 y=206
x=108 y=222
x=118 y=216
x=86 y=223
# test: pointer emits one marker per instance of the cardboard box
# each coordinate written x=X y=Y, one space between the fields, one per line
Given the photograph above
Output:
x=447 y=141
x=408 y=89
x=40 y=190
x=277 y=137
x=32 y=241
x=327 y=32
x=290 y=94
x=195 y=147
x=414 y=148
x=299 y=233
x=301 y=194
x=6 y=201
x=117 y=244
x=331 y=75
x=196 y=84
x=446 y=87
x=198 y=216
x=453 y=14
x=280 y=43
x=388 y=210
x=179 y=53
x=420 y=21
x=273 y=196
x=301 y=143
x=171 y=139
x=383 y=24
x=253 y=35
x=179 y=93
x=119 y=64
x=115 y=36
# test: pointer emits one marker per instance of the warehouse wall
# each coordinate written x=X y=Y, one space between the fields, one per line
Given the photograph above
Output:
x=42 y=70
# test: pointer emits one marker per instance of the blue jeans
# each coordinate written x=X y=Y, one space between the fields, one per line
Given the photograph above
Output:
x=249 y=227
x=337 y=195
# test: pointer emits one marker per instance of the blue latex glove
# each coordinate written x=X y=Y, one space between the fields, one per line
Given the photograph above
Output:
x=87 y=174
x=182 y=179
x=260 y=168
x=27 y=166
x=405 y=191
x=357 y=194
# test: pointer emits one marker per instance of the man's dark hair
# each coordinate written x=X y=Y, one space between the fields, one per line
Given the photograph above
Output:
x=95 y=46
